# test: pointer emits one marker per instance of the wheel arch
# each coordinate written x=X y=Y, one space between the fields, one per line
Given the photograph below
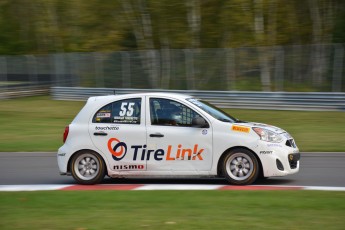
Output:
x=220 y=160
x=82 y=150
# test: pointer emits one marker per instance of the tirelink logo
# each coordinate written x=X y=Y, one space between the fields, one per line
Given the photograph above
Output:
x=117 y=155
x=140 y=152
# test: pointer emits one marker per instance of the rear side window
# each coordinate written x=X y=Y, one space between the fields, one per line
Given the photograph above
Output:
x=120 y=112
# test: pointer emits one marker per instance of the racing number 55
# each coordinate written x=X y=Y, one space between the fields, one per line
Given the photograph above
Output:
x=127 y=109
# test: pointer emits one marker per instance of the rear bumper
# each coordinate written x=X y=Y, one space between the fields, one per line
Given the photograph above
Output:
x=62 y=160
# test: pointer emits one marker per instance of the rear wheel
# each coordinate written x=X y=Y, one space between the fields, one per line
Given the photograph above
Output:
x=87 y=167
x=240 y=167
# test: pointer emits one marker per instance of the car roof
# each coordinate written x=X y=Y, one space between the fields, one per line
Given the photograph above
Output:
x=123 y=96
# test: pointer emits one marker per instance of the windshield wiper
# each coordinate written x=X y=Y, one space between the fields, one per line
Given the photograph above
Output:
x=225 y=120
x=239 y=121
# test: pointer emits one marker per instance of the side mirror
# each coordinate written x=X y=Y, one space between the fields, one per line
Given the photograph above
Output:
x=200 y=122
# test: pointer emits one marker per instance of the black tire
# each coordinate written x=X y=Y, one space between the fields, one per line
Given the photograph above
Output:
x=87 y=167
x=240 y=167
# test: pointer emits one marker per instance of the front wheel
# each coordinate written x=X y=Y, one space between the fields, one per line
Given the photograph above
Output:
x=87 y=167
x=240 y=167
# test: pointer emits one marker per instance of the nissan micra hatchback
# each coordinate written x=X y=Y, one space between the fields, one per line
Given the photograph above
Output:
x=171 y=135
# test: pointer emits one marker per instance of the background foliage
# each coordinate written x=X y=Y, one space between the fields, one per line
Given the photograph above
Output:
x=50 y=26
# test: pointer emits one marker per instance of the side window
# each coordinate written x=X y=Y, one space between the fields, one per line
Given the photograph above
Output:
x=103 y=115
x=120 y=112
x=171 y=113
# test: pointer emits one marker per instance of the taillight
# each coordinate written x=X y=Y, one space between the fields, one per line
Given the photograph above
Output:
x=65 y=134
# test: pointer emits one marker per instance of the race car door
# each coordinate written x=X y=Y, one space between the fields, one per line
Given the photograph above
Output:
x=172 y=143
x=115 y=128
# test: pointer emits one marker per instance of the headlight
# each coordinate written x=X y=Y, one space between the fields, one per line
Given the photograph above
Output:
x=267 y=135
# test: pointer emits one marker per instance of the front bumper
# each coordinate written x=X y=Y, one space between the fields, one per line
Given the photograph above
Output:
x=278 y=159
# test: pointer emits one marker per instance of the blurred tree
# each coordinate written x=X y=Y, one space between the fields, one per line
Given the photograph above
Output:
x=339 y=22
x=16 y=31
x=46 y=26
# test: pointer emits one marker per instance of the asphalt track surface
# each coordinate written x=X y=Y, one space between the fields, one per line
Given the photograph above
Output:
x=316 y=169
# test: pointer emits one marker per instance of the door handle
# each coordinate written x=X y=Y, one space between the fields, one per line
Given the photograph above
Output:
x=100 y=134
x=156 y=135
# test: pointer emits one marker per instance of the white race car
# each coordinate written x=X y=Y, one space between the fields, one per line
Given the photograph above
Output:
x=171 y=135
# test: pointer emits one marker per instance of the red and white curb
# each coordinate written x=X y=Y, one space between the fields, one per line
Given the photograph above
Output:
x=167 y=187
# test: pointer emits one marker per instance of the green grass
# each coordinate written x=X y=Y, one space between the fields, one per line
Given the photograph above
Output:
x=37 y=124
x=172 y=210
x=313 y=131
x=5 y=83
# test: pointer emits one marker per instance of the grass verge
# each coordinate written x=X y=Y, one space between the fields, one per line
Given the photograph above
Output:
x=37 y=124
x=172 y=210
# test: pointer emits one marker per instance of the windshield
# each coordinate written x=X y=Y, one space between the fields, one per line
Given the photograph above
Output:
x=212 y=110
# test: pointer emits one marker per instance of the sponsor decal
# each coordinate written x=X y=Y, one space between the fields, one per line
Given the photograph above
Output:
x=108 y=128
x=274 y=145
x=204 y=132
x=129 y=167
x=118 y=150
x=240 y=128
x=266 y=152
x=61 y=154
x=128 y=120
x=103 y=115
